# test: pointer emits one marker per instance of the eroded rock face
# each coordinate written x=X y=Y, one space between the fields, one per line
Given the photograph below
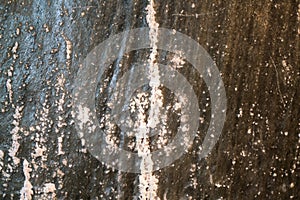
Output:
x=256 y=48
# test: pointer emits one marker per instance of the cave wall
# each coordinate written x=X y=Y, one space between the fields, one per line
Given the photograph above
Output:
x=255 y=45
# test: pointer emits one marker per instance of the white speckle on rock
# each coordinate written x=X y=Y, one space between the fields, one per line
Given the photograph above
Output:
x=46 y=27
x=18 y=31
x=240 y=114
x=9 y=73
x=249 y=131
x=243 y=153
x=15 y=48
x=233 y=162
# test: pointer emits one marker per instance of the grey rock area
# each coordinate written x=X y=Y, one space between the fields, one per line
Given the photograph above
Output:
x=254 y=44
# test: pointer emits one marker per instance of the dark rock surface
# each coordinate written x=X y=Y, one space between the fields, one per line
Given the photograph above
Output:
x=255 y=45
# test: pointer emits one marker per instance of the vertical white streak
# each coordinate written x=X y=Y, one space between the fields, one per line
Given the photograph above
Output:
x=69 y=48
x=156 y=94
x=61 y=94
x=9 y=89
x=1 y=160
x=298 y=13
x=26 y=190
x=147 y=180
x=15 y=135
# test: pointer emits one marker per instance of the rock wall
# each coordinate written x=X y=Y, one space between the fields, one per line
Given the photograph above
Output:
x=255 y=45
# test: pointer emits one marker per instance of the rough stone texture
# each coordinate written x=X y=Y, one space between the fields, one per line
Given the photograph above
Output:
x=255 y=45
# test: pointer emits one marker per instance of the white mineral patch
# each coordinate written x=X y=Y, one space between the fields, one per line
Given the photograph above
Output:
x=49 y=188
x=38 y=151
x=60 y=90
x=240 y=114
x=69 y=46
x=177 y=61
x=155 y=108
x=9 y=73
x=9 y=89
x=1 y=158
x=298 y=18
x=15 y=47
x=83 y=115
x=40 y=154
x=46 y=27
x=61 y=93
x=1 y=154
x=26 y=191
x=18 y=31
x=60 y=151
x=15 y=135
x=60 y=173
